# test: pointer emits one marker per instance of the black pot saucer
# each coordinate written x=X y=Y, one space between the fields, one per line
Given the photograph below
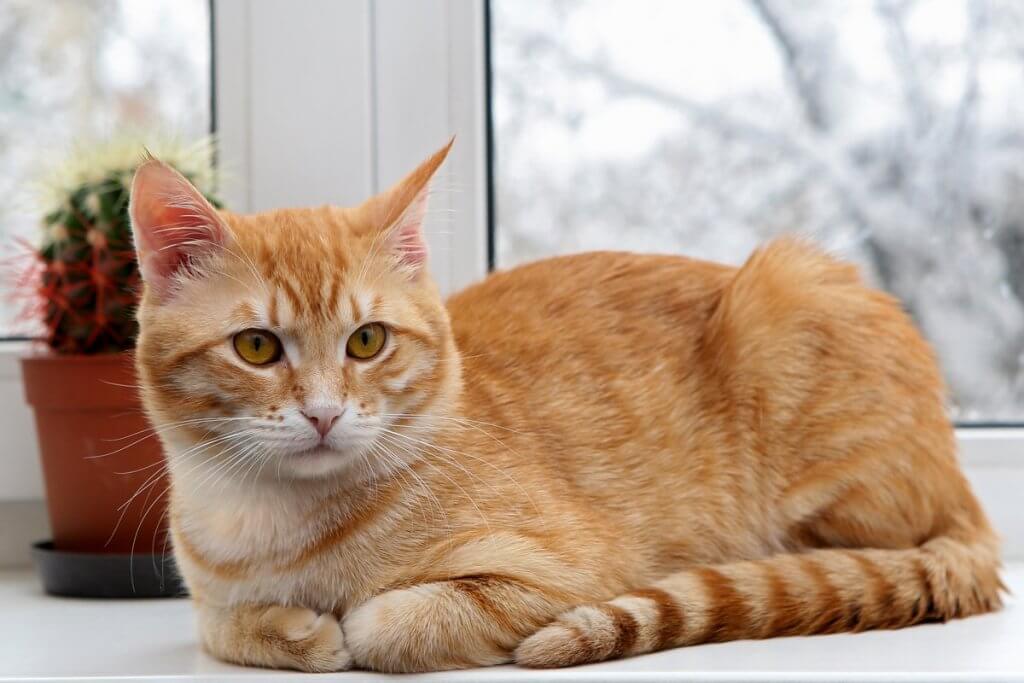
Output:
x=111 y=575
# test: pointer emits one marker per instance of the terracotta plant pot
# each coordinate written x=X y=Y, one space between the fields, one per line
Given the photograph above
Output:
x=97 y=450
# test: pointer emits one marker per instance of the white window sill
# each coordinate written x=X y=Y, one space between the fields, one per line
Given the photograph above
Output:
x=45 y=638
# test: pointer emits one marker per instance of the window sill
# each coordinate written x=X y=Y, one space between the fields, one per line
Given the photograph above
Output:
x=45 y=638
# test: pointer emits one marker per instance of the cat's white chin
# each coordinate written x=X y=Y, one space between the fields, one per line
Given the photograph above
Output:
x=318 y=461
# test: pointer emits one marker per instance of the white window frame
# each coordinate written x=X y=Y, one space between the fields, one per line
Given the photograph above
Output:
x=328 y=101
x=356 y=93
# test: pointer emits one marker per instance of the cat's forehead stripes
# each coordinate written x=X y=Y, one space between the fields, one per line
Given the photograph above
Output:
x=296 y=301
x=272 y=318
x=244 y=315
x=304 y=252
x=357 y=311
x=333 y=290
x=336 y=310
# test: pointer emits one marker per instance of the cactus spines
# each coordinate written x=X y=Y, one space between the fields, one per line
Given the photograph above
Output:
x=85 y=277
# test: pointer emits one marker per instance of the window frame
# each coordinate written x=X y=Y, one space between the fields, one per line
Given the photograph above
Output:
x=419 y=75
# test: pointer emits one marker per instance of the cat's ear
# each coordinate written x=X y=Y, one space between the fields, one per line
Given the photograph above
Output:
x=172 y=222
x=395 y=217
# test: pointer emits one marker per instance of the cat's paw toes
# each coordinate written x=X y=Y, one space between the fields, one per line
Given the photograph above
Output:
x=305 y=640
x=584 y=634
x=368 y=631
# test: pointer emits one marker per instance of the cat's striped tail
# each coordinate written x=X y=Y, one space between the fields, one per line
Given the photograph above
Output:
x=820 y=591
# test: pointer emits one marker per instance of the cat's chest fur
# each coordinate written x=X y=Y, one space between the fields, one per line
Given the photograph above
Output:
x=278 y=549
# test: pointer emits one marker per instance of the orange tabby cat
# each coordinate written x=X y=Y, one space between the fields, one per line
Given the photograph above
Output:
x=584 y=458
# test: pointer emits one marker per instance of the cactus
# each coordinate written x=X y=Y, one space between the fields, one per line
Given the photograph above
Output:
x=86 y=279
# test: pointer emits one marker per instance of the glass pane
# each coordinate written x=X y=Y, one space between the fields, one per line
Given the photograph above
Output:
x=890 y=132
x=73 y=70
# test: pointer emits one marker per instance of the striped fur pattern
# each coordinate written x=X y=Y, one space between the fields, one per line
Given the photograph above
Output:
x=588 y=457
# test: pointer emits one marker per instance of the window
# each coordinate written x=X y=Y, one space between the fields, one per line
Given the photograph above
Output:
x=72 y=70
x=891 y=132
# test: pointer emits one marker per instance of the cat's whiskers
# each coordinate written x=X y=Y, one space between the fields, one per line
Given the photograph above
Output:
x=173 y=425
x=456 y=419
x=280 y=461
x=412 y=453
x=411 y=443
x=403 y=466
x=396 y=466
x=452 y=462
x=469 y=424
x=261 y=456
x=243 y=460
x=138 y=529
x=204 y=445
x=443 y=449
x=231 y=457
x=159 y=570
x=195 y=451
x=150 y=432
x=141 y=469
x=155 y=477
x=150 y=481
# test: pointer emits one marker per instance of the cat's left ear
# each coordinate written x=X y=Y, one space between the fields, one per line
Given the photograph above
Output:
x=395 y=217
x=173 y=224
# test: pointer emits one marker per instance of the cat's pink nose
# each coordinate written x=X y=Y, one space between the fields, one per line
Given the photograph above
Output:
x=323 y=419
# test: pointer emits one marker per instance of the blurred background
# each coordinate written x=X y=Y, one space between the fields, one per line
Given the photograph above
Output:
x=87 y=69
x=890 y=131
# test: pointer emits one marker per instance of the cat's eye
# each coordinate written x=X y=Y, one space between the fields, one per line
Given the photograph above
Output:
x=367 y=341
x=258 y=347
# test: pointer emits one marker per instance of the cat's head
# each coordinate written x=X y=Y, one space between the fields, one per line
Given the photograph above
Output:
x=305 y=342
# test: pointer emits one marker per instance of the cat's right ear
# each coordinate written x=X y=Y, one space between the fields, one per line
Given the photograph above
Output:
x=172 y=222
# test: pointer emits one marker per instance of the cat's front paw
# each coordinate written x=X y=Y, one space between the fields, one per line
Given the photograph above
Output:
x=428 y=627
x=302 y=639
x=374 y=634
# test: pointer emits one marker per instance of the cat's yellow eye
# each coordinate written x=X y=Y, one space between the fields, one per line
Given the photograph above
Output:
x=258 y=347
x=367 y=341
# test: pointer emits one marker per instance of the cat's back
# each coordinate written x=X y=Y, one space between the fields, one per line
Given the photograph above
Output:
x=588 y=297
x=593 y=351
x=791 y=340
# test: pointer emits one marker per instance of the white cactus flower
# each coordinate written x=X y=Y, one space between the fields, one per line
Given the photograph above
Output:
x=92 y=203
